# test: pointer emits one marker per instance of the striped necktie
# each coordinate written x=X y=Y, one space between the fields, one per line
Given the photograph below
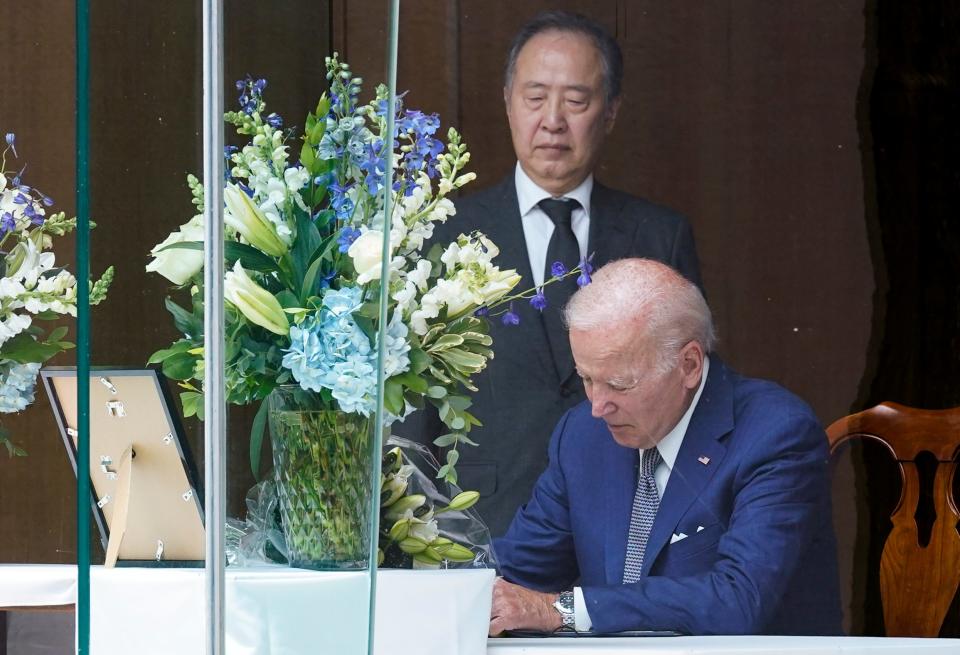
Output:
x=646 y=500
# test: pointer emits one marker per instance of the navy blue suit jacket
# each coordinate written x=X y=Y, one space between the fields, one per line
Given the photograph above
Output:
x=759 y=556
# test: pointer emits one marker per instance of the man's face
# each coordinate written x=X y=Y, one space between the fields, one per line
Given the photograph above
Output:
x=639 y=404
x=556 y=109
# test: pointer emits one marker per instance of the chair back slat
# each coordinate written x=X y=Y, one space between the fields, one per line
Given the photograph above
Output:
x=917 y=582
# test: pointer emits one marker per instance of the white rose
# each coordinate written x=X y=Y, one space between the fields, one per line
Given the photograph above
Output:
x=367 y=255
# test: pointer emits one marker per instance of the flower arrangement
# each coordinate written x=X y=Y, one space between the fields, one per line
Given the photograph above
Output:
x=409 y=525
x=32 y=289
x=304 y=256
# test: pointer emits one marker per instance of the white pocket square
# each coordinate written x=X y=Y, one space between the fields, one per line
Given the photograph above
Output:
x=677 y=537
x=699 y=528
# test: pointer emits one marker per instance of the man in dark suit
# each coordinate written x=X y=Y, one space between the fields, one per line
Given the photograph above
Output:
x=562 y=94
x=681 y=496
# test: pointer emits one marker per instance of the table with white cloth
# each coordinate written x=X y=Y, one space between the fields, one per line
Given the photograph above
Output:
x=273 y=610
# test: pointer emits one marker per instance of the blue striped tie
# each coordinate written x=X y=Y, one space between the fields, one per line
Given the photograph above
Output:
x=645 y=504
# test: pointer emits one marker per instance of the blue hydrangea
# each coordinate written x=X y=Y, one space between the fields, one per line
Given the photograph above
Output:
x=330 y=351
x=17 y=383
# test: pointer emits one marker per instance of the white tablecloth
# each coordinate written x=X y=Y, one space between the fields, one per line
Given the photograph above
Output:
x=270 y=610
x=279 y=610
x=724 y=646
x=37 y=585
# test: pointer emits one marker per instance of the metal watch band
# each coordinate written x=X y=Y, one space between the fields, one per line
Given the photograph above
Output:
x=564 y=606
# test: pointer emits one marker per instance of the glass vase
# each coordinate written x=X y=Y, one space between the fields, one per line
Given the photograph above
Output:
x=323 y=468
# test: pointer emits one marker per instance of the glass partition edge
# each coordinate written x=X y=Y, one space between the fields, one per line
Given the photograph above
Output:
x=214 y=424
x=392 y=35
x=83 y=323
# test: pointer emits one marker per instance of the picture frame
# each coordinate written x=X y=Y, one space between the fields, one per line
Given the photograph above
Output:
x=145 y=492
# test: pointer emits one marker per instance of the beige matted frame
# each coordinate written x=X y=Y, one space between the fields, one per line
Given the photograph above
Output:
x=145 y=493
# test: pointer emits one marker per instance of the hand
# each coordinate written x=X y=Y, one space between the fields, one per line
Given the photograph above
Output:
x=515 y=607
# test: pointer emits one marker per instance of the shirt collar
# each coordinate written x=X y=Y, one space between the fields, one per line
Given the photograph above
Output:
x=529 y=194
x=669 y=446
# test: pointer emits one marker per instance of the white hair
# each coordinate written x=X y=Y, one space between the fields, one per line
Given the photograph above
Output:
x=668 y=310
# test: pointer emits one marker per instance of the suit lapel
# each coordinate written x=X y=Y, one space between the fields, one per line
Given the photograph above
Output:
x=711 y=420
x=609 y=237
x=503 y=217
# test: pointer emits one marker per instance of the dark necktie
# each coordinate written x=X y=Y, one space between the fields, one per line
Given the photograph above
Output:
x=563 y=248
x=646 y=501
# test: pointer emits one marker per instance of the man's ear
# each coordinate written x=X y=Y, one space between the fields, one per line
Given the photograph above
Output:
x=610 y=114
x=691 y=364
x=506 y=99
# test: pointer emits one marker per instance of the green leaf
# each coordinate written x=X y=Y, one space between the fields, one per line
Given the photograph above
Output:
x=308 y=240
x=445 y=440
x=23 y=349
x=178 y=347
x=250 y=258
x=186 y=322
x=413 y=382
x=179 y=366
x=419 y=361
x=256 y=438
x=192 y=402
x=446 y=341
x=307 y=156
x=310 y=280
x=393 y=396
x=459 y=403
x=437 y=392
x=453 y=457
x=57 y=334
x=462 y=359
x=287 y=299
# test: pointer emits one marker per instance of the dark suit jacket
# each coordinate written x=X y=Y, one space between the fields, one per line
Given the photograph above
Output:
x=521 y=395
x=759 y=555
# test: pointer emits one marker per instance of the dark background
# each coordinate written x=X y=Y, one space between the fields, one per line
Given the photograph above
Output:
x=813 y=145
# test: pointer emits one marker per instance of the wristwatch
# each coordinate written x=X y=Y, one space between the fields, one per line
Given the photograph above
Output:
x=564 y=606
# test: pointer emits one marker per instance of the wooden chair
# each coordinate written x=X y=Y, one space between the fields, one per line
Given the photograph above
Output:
x=917 y=582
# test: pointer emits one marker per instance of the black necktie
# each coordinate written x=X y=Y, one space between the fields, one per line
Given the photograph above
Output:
x=563 y=248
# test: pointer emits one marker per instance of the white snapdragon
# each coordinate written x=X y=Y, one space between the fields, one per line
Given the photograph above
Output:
x=443 y=210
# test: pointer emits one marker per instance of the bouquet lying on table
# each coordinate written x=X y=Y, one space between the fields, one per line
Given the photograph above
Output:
x=32 y=289
x=304 y=244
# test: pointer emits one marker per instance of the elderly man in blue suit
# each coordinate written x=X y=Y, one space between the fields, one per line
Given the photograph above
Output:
x=681 y=495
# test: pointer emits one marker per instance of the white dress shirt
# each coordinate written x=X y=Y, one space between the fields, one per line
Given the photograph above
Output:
x=669 y=446
x=537 y=226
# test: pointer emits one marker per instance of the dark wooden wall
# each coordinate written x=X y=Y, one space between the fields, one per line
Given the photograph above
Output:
x=809 y=144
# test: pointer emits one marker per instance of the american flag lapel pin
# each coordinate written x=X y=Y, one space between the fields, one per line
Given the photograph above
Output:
x=703 y=459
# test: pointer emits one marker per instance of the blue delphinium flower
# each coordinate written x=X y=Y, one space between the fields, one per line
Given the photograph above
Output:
x=7 y=223
x=539 y=301
x=510 y=318
x=11 y=141
x=347 y=236
x=481 y=311
x=340 y=202
x=17 y=383
x=586 y=269
x=557 y=269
